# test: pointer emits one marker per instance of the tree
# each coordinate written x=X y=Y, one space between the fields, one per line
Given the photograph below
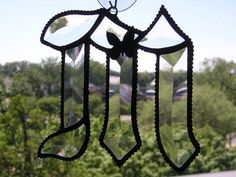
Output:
x=220 y=74
x=211 y=106
x=51 y=76
x=21 y=86
x=16 y=115
x=49 y=104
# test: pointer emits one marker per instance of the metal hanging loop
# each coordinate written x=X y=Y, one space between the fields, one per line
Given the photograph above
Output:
x=115 y=6
x=113 y=9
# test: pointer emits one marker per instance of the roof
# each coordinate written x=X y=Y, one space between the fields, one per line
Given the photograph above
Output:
x=114 y=80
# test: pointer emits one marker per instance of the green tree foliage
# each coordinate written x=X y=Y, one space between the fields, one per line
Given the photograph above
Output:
x=21 y=86
x=17 y=133
x=51 y=77
x=30 y=111
x=211 y=106
x=49 y=104
x=214 y=156
x=219 y=74
x=96 y=105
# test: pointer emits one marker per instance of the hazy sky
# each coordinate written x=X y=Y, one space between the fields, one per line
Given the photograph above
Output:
x=211 y=25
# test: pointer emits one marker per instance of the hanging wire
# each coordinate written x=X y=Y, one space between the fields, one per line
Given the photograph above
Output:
x=112 y=5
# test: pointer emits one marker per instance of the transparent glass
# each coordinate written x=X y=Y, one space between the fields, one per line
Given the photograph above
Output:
x=119 y=135
x=97 y=72
x=173 y=93
x=162 y=35
x=68 y=29
x=73 y=86
x=67 y=144
x=146 y=93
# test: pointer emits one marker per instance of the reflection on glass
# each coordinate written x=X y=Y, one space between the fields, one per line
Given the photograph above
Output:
x=69 y=28
x=73 y=86
x=66 y=144
x=173 y=107
x=58 y=24
x=119 y=135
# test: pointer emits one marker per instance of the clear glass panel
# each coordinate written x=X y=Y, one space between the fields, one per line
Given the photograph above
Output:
x=73 y=86
x=146 y=93
x=67 y=144
x=97 y=80
x=121 y=5
x=68 y=29
x=161 y=35
x=173 y=107
x=97 y=71
x=119 y=136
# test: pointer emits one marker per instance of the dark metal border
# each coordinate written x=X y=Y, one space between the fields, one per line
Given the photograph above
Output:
x=188 y=44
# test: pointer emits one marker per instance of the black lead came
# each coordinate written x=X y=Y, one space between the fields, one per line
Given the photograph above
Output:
x=121 y=144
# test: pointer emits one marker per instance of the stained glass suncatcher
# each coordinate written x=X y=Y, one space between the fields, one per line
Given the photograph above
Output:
x=120 y=135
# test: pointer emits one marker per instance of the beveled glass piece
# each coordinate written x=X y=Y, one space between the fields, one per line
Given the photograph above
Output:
x=72 y=30
x=146 y=93
x=97 y=61
x=73 y=85
x=70 y=141
x=162 y=35
x=119 y=136
x=146 y=63
x=67 y=144
x=173 y=107
x=173 y=58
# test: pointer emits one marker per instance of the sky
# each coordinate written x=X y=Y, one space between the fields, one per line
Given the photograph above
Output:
x=210 y=24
